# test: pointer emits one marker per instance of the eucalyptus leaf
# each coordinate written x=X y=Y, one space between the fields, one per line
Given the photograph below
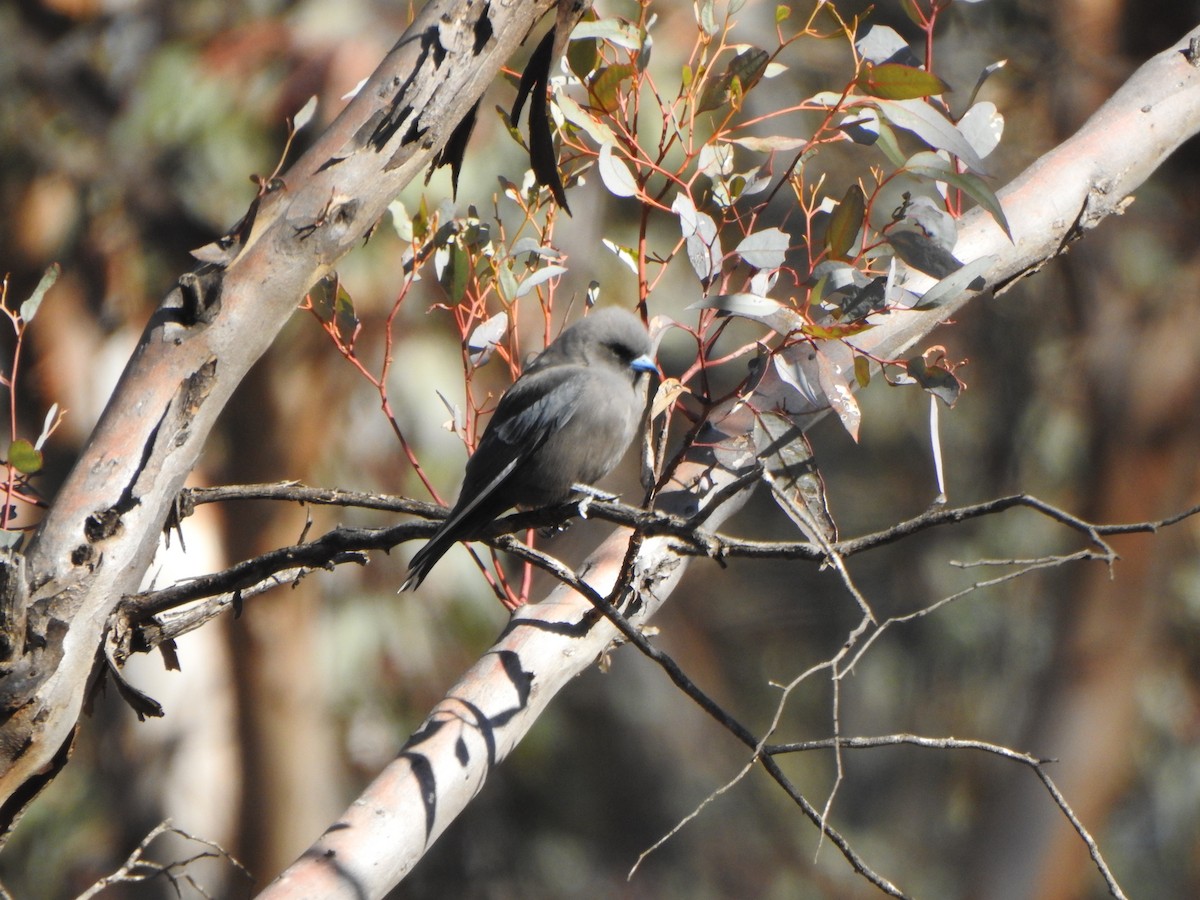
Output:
x=775 y=315
x=606 y=84
x=968 y=277
x=930 y=126
x=819 y=374
x=742 y=73
x=860 y=302
x=845 y=223
x=401 y=221
x=616 y=174
x=615 y=31
x=306 y=113
x=47 y=426
x=983 y=126
x=882 y=44
x=861 y=125
x=30 y=307
x=987 y=73
x=506 y=282
x=790 y=469
x=770 y=143
x=627 y=255
x=484 y=338
x=533 y=247
x=24 y=457
x=540 y=276
x=937 y=380
x=936 y=168
x=923 y=253
x=703 y=241
x=345 y=319
x=582 y=119
x=897 y=82
x=764 y=249
x=932 y=219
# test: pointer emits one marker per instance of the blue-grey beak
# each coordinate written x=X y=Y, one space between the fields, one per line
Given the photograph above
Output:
x=644 y=363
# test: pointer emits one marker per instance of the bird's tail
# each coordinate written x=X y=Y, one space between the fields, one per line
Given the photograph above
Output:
x=426 y=558
x=475 y=509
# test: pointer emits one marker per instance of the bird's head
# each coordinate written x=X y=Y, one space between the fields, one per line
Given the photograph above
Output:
x=610 y=336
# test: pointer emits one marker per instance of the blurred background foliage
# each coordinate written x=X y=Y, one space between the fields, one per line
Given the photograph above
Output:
x=128 y=131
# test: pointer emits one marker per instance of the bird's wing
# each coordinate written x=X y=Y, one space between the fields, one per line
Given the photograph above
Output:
x=531 y=411
x=535 y=408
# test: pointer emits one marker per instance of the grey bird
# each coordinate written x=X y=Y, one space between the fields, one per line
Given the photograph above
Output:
x=566 y=421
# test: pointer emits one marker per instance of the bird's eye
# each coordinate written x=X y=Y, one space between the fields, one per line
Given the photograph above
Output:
x=620 y=351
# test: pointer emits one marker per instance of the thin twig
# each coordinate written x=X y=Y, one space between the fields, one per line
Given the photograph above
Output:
x=1026 y=759
x=137 y=868
x=710 y=706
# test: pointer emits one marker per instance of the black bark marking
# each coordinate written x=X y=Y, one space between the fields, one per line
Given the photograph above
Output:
x=11 y=811
x=201 y=294
x=521 y=679
x=483 y=30
x=426 y=731
x=194 y=391
x=104 y=523
x=439 y=49
x=381 y=128
x=346 y=213
x=415 y=132
x=565 y=629
x=423 y=772
x=487 y=731
x=387 y=125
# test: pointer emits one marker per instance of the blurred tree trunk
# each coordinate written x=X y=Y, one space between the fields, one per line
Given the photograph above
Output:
x=1143 y=425
x=274 y=428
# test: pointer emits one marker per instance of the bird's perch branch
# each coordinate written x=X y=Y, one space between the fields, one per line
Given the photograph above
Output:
x=144 y=621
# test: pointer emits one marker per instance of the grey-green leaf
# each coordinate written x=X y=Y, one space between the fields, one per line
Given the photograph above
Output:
x=765 y=249
x=792 y=474
x=968 y=277
x=30 y=307
x=930 y=126
x=771 y=313
x=930 y=165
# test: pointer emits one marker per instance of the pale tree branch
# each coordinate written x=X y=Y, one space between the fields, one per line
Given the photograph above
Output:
x=378 y=840
x=442 y=766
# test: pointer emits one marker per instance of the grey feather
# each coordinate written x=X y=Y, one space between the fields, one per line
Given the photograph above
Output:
x=567 y=420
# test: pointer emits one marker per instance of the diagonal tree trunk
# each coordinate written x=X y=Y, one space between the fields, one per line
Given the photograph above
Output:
x=98 y=539
x=390 y=826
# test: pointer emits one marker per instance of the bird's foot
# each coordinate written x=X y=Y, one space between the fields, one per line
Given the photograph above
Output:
x=590 y=494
